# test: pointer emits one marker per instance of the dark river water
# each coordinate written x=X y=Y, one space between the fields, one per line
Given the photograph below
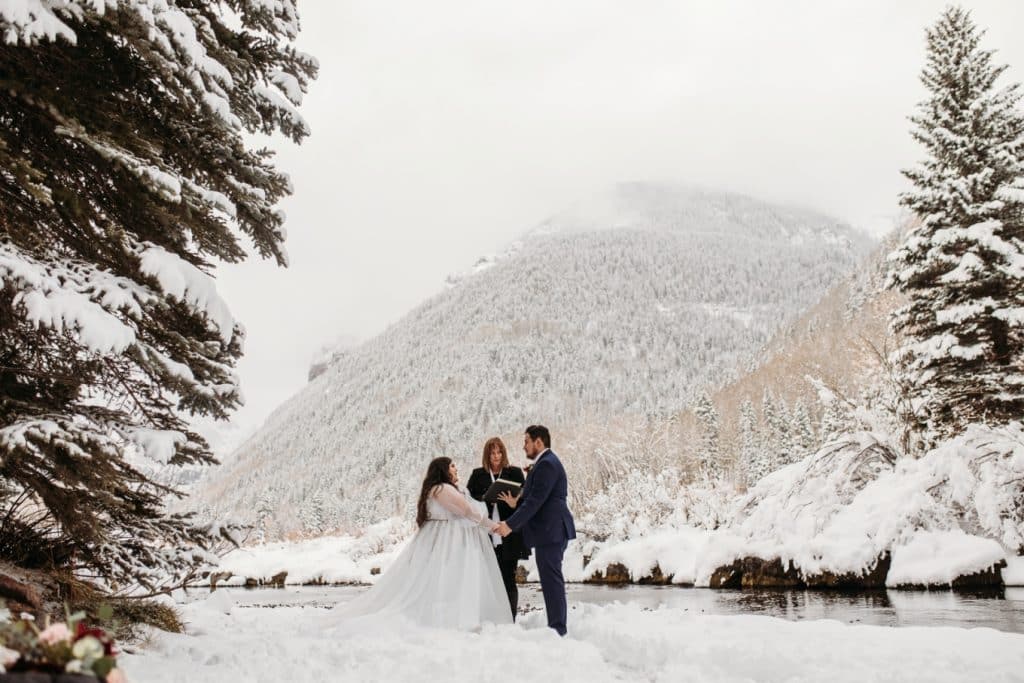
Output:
x=1003 y=611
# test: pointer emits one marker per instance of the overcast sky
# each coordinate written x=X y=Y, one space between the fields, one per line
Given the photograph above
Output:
x=442 y=129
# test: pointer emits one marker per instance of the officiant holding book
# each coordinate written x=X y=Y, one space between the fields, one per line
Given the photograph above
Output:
x=498 y=475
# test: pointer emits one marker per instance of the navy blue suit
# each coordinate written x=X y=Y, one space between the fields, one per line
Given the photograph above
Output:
x=547 y=526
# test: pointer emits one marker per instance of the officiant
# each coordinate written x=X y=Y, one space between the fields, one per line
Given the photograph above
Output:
x=511 y=549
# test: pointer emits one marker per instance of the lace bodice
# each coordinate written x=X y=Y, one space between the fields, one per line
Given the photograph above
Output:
x=447 y=503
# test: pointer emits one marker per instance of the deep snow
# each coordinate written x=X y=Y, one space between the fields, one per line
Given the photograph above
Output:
x=614 y=642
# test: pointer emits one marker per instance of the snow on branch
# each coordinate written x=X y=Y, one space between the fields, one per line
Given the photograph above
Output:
x=183 y=281
x=34 y=21
x=72 y=299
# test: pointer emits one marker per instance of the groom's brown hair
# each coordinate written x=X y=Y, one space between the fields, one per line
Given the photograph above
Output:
x=540 y=432
x=495 y=441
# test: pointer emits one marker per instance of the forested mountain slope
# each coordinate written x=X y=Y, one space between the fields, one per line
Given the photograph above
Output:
x=622 y=306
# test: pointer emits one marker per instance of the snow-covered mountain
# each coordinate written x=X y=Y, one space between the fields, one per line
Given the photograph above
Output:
x=626 y=304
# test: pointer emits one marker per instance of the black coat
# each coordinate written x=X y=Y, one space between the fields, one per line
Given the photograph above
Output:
x=512 y=546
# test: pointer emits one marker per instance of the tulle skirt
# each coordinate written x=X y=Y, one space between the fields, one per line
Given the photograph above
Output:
x=446 y=577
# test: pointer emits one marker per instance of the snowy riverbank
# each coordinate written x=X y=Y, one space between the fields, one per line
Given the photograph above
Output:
x=687 y=555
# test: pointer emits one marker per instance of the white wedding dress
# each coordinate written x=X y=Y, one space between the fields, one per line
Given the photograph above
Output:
x=447 y=577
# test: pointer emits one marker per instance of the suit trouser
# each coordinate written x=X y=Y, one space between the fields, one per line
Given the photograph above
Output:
x=508 y=577
x=552 y=584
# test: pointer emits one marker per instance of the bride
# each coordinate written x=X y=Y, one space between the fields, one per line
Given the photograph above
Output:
x=447 y=576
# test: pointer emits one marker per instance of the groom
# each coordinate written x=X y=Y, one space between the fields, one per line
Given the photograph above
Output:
x=543 y=516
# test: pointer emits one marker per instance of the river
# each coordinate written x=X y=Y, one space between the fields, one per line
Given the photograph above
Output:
x=1003 y=611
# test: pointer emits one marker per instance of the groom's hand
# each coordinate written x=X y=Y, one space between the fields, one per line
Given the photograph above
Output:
x=503 y=530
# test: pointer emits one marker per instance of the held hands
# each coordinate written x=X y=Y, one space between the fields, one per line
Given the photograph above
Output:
x=502 y=530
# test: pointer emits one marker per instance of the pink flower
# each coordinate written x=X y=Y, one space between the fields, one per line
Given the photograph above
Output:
x=116 y=676
x=55 y=633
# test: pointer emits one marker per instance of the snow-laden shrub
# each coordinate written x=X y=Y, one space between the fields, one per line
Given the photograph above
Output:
x=631 y=506
x=977 y=480
x=841 y=508
x=643 y=501
x=708 y=504
x=801 y=496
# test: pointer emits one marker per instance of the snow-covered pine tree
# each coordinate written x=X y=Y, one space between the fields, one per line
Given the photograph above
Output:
x=836 y=419
x=264 y=515
x=963 y=266
x=769 y=436
x=126 y=175
x=704 y=409
x=802 y=430
x=780 y=427
x=750 y=459
x=312 y=514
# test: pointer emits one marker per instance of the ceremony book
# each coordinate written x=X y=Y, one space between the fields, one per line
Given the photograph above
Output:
x=500 y=486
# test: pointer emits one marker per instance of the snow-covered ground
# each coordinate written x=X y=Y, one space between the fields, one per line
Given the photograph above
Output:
x=608 y=642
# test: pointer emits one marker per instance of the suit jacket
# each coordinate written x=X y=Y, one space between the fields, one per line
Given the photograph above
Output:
x=512 y=546
x=543 y=511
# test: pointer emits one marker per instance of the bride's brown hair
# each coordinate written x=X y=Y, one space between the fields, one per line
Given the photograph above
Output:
x=437 y=475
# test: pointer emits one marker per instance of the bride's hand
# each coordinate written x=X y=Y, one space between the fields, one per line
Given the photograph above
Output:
x=507 y=498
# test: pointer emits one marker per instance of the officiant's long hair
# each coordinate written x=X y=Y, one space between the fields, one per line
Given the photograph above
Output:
x=491 y=443
x=437 y=474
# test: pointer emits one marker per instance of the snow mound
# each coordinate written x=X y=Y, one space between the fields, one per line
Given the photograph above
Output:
x=938 y=557
x=1013 y=572
x=687 y=554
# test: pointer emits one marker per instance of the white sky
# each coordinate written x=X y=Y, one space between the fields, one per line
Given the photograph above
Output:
x=442 y=129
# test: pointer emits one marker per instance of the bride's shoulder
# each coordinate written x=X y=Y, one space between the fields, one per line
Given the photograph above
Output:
x=440 y=488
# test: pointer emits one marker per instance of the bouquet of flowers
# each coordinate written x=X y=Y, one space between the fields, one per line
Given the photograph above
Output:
x=69 y=646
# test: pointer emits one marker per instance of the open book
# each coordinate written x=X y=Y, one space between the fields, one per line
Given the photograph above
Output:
x=500 y=486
